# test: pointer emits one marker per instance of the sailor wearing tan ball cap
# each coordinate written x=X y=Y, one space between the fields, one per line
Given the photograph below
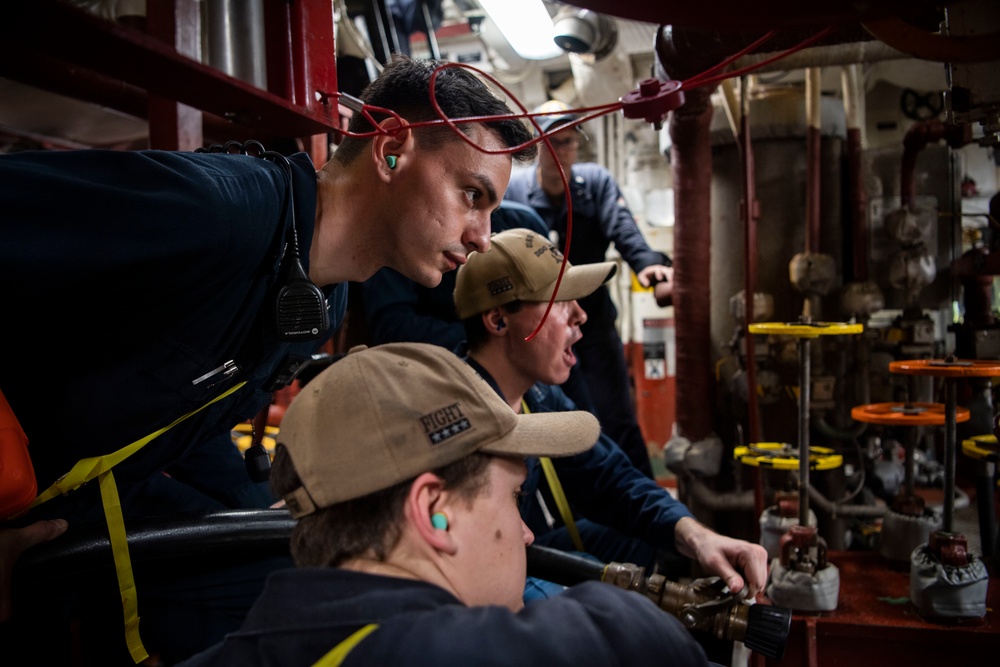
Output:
x=404 y=468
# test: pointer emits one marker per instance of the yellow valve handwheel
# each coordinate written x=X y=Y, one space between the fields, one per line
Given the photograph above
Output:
x=805 y=330
x=243 y=436
x=983 y=447
x=782 y=456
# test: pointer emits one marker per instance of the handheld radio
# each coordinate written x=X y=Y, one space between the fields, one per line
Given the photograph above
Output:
x=301 y=312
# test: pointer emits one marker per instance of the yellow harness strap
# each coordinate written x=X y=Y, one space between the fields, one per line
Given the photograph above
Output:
x=339 y=652
x=99 y=467
x=557 y=492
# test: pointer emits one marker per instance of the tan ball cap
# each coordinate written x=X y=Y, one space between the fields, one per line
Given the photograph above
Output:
x=386 y=414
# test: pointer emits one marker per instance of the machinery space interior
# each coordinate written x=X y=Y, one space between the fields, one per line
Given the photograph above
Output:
x=824 y=177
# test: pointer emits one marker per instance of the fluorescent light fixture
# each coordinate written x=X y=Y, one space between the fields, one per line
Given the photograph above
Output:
x=527 y=26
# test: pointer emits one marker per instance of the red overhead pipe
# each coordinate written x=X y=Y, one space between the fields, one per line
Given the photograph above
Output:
x=916 y=139
x=735 y=15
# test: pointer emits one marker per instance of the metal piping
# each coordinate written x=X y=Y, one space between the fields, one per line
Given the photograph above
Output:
x=853 y=101
x=751 y=214
x=836 y=510
x=805 y=391
x=813 y=119
x=235 y=31
x=679 y=57
x=916 y=139
x=719 y=502
x=691 y=161
x=825 y=56
x=743 y=501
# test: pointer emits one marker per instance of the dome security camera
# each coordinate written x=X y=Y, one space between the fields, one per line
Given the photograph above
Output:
x=585 y=31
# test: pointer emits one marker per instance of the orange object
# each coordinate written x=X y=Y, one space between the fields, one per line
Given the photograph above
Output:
x=281 y=400
x=905 y=414
x=948 y=368
x=18 y=486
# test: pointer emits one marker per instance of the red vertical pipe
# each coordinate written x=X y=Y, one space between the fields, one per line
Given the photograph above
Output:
x=278 y=42
x=813 y=100
x=915 y=140
x=812 y=188
x=174 y=126
x=300 y=61
x=691 y=162
x=751 y=213
x=859 y=204
x=313 y=55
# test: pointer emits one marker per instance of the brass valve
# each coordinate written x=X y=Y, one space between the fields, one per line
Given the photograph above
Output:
x=704 y=604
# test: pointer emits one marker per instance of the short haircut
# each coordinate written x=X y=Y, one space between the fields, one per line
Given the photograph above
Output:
x=404 y=87
x=369 y=525
x=475 y=331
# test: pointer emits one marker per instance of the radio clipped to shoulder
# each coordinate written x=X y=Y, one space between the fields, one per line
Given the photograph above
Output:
x=301 y=312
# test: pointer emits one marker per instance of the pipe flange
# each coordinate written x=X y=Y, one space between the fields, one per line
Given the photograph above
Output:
x=652 y=101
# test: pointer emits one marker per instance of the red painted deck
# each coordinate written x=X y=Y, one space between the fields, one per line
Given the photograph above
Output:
x=873 y=627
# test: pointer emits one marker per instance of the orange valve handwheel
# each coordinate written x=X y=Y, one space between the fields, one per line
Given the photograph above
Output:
x=952 y=370
x=905 y=414
x=947 y=368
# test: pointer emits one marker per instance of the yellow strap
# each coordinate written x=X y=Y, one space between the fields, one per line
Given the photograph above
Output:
x=123 y=565
x=99 y=467
x=89 y=468
x=339 y=652
x=557 y=492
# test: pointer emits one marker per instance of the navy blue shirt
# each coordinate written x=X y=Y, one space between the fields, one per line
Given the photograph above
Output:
x=398 y=309
x=304 y=613
x=601 y=484
x=132 y=274
x=600 y=217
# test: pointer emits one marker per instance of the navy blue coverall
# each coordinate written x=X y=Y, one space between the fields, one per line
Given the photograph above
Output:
x=600 y=218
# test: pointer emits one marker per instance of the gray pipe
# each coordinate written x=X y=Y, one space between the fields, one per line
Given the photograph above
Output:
x=235 y=39
x=719 y=502
x=824 y=56
x=835 y=510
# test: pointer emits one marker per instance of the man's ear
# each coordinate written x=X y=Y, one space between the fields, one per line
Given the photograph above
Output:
x=392 y=148
x=495 y=321
x=426 y=498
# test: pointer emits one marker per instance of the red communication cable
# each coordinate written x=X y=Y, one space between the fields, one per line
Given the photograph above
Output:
x=542 y=137
x=730 y=60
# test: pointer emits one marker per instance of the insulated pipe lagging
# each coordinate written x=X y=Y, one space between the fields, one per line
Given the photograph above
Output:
x=691 y=161
x=853 y=101
x=813 y=123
